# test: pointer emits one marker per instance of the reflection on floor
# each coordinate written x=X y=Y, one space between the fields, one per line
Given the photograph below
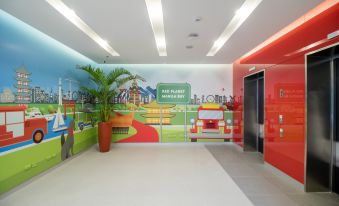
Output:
x=134 y=174
x=263 y=184
x=207 y=174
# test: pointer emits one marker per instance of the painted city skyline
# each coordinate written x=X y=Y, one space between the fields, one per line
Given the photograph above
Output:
x=23 y=90
x=218 y=78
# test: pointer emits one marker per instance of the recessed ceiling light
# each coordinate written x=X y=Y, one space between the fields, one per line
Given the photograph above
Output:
x=154 y=8
x=193 y=35
x=239 y=18
x=197 y=19
x=78 y=22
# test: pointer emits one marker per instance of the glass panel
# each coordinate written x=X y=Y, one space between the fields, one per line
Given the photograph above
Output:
x=14 y=117
x=210 y=114
x=17 y=129
x=2 y=118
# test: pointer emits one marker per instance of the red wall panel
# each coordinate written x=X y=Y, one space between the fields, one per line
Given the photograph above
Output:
x=284 y=65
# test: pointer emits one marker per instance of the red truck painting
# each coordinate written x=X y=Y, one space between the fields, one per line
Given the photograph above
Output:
x=15 y=128
x=210 y=124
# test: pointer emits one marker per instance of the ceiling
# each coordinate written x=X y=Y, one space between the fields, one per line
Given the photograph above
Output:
x=125 y=25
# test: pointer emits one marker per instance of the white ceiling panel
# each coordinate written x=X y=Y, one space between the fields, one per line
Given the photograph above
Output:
x=125 y=25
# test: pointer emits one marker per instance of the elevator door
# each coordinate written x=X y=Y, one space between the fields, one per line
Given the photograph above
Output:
x=254 y=112
x=250 y=115
x=322 y=122
x=335 y=186
x=261 y=114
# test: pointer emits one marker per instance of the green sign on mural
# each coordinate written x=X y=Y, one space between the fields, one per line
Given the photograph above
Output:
x=173 y=93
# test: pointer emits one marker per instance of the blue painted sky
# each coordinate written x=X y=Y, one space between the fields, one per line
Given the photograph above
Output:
x=205 y=79
x=46 y=58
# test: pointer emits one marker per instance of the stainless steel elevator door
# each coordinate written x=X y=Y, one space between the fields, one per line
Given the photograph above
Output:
x=319 y=129
x=261 y=100
x=250 y=115
x=335 y=181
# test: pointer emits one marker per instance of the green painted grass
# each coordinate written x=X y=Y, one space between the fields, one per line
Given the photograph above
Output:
x=178 y=119
x=44 y=107
x=178 y=135
x=21 y=165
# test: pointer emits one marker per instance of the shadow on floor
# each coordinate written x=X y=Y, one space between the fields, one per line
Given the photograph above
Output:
x=263 y=184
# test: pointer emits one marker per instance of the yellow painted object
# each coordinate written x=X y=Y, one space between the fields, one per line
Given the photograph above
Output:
x=123 y=120
x=199 y=129
x=210 y=106
x=221 y=130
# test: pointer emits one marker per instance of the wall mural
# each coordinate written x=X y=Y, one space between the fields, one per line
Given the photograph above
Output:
x=31 y=114
x=46 y=112
x=138 y=117
x=35 y=105
x=44 y=117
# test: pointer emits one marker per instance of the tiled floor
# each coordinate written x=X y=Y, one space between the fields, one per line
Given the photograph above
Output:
x=134 y=174
x=263 y=184
x=165 y=174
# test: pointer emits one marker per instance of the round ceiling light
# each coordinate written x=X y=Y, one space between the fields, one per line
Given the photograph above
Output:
x=193 y=35
x=197 y=19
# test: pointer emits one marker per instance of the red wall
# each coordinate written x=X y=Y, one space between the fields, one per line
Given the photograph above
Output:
x=284 y=66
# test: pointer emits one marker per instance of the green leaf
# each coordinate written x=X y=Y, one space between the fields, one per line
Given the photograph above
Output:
x=106 y=86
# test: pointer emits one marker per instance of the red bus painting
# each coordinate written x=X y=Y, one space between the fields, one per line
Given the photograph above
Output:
x=15 y=128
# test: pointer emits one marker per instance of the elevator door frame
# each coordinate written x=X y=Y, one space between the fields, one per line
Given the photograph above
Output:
x=333 y=97
x=264 y=113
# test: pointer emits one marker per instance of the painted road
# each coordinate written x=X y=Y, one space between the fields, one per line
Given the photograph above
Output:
x=144 y=133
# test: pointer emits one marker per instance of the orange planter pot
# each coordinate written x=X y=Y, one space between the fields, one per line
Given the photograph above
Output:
x=105 y=136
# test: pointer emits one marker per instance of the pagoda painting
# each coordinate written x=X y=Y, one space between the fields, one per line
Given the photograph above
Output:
x=153 y=116
x=23 y=94
x=134 y=93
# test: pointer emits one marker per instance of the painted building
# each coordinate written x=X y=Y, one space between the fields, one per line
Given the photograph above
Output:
x=7 y=96
x=134 y=94
x=23 y=93
x=153 y=113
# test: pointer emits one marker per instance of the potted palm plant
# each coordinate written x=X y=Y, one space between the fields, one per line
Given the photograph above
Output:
x=105 y=89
